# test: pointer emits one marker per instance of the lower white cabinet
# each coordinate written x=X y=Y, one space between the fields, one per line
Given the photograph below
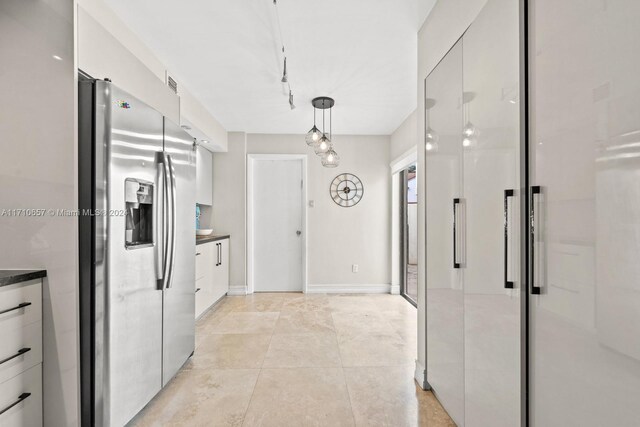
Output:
x=21 y=354
x=212 y=273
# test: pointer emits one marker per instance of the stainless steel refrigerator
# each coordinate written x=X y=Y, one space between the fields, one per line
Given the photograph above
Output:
x=137 y=245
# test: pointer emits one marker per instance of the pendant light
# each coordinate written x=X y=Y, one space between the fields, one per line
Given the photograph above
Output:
x=330 y=159
x=314 y=134
x=321 y=141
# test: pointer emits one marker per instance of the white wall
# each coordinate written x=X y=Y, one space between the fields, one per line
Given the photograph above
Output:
x=229 y=204
x=38 y=170
x=443 y=27
x=404 y=137
x=108 y=48
x=337 y=237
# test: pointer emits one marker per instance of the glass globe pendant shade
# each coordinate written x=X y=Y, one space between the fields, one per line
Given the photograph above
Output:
x=322 y=145
x=313 y=136
x=330 y=159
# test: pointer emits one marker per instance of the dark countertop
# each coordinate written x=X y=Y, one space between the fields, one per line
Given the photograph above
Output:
x=9 y=277
x=210 y=238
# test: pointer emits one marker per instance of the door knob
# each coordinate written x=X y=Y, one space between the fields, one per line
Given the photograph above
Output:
x=298 y=232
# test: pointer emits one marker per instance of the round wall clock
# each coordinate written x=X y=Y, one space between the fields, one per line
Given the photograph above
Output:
x=346 y=190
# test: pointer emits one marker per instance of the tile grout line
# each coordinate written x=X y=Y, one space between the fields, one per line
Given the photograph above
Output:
x=244 y=416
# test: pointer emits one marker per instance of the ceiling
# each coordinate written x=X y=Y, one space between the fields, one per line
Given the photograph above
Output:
x=363 y=53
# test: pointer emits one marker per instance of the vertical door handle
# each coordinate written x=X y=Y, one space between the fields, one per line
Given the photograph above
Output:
x=507 y=283
x=159 y=218
x=165 y=250
x=535 y=190
x=456 y=264
x=173 y=223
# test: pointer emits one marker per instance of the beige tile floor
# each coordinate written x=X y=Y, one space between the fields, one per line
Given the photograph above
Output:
x=300 y=360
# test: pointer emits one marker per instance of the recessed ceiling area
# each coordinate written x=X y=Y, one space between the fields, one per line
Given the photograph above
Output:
x=362 y=53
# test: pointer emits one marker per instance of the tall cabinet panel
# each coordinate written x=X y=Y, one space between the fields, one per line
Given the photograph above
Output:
x=491 y=140
x=444 y=295
x=585 y=212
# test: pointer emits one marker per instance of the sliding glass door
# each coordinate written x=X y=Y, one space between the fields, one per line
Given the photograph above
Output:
x=585 y=212
x=409 y=234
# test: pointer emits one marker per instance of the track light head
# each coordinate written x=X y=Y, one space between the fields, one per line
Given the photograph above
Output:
x=291 y=100
x=285 y=76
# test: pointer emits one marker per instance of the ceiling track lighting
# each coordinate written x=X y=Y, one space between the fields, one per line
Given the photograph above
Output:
x=285 y=74
x=321 y=141
x=285 y=77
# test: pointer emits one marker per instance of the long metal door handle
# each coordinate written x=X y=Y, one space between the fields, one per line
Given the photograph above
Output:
x=173 y=231
x=18 y=354
x=22 y=397
x=158 y=226
x=507 y=283
x=166 y=220
x=17 y=307
x=219 y=256
x=456 y=264
x=535 y=290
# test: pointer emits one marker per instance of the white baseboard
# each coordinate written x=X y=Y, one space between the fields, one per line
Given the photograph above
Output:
x=395 y=289
x=420 y=375
x=237 y=290
x=349 y=289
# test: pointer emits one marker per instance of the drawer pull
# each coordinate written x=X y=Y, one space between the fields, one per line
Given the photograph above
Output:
x=17 y=307
x=22 y=397
x=198 y=253
x=197 y=290
x=18 y=354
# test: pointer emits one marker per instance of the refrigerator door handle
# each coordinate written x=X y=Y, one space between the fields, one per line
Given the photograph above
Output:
x=507 y=283
x=173 y=223
x=535 y=290
x=166 y=222
x=158 y=215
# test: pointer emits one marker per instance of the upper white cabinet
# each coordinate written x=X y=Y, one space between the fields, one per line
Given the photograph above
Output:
x=204 y=177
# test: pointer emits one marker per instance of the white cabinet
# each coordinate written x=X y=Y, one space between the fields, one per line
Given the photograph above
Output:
x=221 y=269
x=21 y=354
x=204 y=177
x=212 y=273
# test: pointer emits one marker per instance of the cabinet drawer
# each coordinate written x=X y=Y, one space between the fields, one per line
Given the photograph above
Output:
x=204 y=259
x=201 y=297
x=21 y=349
x=20 y=305
x=26 y=390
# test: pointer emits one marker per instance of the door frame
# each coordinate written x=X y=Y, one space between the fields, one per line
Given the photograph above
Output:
x=251 y=160
x=400 y=163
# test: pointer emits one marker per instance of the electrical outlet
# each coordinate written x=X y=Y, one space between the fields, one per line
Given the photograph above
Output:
x=354 y=268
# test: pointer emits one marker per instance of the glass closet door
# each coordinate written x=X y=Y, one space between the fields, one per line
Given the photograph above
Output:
x=444 y=296
x=585 y=213
x=491 y=142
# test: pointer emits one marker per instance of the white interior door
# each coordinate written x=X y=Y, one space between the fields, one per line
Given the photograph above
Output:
x=585 y=159
x=277 y=224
